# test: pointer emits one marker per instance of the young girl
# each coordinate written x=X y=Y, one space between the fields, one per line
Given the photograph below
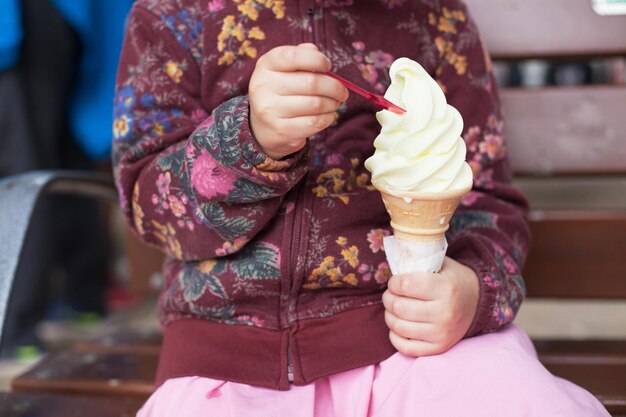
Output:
x=240 y=159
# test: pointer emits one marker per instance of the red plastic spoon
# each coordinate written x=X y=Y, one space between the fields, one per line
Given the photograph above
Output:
x=380 y=101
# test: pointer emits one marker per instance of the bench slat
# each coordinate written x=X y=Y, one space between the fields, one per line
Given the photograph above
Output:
x=526 y=28
x=124 y=374
x=606 y=381
x=577 y=256
x=597 y=365
x=582 y=193
x=591 y=351
x=54 y=405
x=566 y=129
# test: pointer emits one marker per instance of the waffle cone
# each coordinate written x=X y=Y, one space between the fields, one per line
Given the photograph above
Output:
x=420 y=217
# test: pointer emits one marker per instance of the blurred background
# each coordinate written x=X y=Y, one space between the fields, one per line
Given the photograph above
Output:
x=58 y=60
x=88 y=275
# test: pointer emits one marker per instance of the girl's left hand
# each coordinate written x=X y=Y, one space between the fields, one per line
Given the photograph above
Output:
x=429 y=313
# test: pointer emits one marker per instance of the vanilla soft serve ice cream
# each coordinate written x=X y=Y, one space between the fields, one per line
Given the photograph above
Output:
x=419 y=168
x=422 y=149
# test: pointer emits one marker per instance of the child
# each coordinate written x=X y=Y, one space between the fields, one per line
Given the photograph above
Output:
x=240 y=159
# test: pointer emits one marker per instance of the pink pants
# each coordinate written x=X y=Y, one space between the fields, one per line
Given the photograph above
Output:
x=496 y=374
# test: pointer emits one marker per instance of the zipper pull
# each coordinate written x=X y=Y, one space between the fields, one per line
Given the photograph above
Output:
x=311 y=13
x=289 y=364
x=289 y=372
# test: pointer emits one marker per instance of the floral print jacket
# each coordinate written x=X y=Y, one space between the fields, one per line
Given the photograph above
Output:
x=275 y=269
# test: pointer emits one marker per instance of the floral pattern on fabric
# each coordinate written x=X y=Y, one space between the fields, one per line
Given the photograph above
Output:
x=166 y=233
x=472 y=219
x=446 y=23
x=128 y=118
x=138 y=214
x=175 y=70
x=336 y=184
x=510 y=287
x=246 y=270
x=375 y=239
x=237 y=38
x=484 y=147
x=184 y=24
x=123 y=119
x=374 y=65
x=335 y=272
x=505 y=281
x=174 y=200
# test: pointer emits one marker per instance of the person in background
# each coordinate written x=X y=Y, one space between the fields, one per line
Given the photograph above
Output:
x=57 y=69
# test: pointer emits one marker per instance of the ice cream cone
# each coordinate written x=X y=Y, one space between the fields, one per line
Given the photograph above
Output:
x=420 y=217
x=422 y=151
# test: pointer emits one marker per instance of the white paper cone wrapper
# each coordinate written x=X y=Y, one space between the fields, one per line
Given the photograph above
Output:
x=406 y=256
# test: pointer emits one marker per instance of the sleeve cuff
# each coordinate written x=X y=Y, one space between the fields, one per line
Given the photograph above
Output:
x=486 y=298
x=256 y=156
x=470 y=256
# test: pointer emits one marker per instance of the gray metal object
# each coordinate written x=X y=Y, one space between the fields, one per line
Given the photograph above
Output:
x=19 y=196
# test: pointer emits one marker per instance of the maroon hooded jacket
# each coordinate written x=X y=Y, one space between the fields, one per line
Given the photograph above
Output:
x=275 y=269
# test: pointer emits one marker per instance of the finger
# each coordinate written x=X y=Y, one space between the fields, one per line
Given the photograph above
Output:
x=413 y=348
x=410 y=329
x=309 y=84
x=420 y=285
x=308 y=125
x=295 y=58
x=409 y=308
x=296 y=106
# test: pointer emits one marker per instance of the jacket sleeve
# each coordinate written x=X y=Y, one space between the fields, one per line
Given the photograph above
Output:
x=488 y=232
x=197 y=185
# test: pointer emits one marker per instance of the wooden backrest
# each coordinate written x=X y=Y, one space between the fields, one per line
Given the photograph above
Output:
x=514 y=29
x=566 y=144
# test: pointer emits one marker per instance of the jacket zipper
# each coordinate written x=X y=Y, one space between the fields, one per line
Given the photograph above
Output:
x=293 y=268
x=295 y=233
x=293 y=253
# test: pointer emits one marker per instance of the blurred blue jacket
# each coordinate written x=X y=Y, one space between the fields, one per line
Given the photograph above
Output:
x=10 y=33
x=100 y=28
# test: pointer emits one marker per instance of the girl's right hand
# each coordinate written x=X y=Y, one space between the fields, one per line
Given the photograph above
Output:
x=291 y=99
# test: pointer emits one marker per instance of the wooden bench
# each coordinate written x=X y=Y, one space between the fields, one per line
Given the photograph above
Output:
x=119 y=374
x=108 y=377
x=568 y=152
x=122 y=364
x=55 y=405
